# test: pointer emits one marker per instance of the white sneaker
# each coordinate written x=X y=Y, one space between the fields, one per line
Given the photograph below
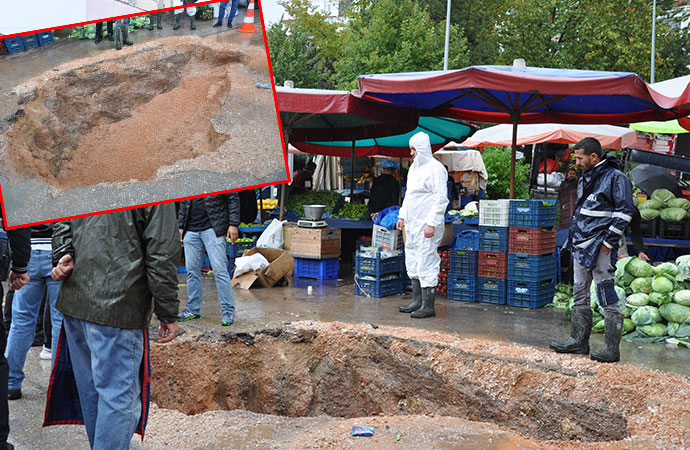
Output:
x=46 y=353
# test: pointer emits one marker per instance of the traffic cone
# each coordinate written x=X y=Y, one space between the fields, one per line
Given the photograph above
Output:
x=248 y=22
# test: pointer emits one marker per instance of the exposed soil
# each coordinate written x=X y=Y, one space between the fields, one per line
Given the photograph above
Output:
x=129 y=115
x=338 y=372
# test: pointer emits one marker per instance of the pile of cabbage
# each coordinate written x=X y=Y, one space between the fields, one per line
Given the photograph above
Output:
x=665 y=205
x=655 y=301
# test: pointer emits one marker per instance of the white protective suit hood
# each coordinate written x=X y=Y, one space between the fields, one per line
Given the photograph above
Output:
x=422 y=144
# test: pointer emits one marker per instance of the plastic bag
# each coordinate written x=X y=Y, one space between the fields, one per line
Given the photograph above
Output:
x=272 y=237
x=250 y=263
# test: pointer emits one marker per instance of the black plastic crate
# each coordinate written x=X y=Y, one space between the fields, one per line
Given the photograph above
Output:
x=378 y=288
x=525 y=294
x=649 y=228
x=377 y=266
x=463 y=262
x=674 y=230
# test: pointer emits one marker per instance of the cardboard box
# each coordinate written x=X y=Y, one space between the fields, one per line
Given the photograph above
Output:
x=313 y=243
x=280 y=265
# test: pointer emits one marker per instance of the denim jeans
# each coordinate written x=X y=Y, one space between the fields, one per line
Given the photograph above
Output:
x=106 y=363
x=233 y=10
x=194 y=244
x=25 y=307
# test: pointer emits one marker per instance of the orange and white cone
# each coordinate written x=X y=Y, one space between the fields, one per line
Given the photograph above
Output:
x=248 y=22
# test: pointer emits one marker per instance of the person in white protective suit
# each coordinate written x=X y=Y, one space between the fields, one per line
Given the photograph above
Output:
x=421 y=216
x=191 y=12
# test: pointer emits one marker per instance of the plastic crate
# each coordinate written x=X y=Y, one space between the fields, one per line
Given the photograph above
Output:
x=240 y=247
x=532 y=268
x=533 y=213
x=463 y=288
x=492 y=264
x=491 y=290
x=532 y=241
x=377 y=266
x=526 y=294
x=494 y=213
x=14 y=45
x=463 y=262
x=493 y=239
x=674 y=230
x=30 y=41
x=44 y=38
x=378 y=288
x=320 y=269
x=649 y=228
x=387 y=240
x=467 y=240
x=3 y=49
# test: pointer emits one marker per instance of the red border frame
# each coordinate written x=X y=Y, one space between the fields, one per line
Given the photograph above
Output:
x=288 y=178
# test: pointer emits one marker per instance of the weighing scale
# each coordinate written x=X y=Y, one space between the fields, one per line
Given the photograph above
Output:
x=310 y=223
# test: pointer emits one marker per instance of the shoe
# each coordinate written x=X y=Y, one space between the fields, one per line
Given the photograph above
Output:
x=578 y=342
x=118 y=42
x=227 y=320
x=416 y=298
x=46 y=353
x=192 y=23
x=217 y=24
x=111 y=38
x=9 y=446
x=125 y=36
x=186 y=316
x=98 y=39
x=14 y=394
x=427 y=309
x=229 y=25
x=613 y=329
x=177 y=21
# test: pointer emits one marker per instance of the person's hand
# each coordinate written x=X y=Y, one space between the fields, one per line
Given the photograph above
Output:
x=373 y=215
x=18 y=280
x=643 y=256
x=400 y=224
x=167 y=332
x=429 y=231
x=181 y=235
x=605 y=249
x=233 y=233
x=63 y=269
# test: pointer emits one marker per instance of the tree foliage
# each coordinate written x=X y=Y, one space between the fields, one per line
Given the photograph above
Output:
x=497 y=163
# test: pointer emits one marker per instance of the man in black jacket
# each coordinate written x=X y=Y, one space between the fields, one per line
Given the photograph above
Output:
x=385 y=190
x=207 y=223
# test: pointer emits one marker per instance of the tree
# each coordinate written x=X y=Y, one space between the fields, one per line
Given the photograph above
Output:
x=497 y=162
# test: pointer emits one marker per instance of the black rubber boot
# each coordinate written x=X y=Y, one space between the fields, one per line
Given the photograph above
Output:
x=150 y=22
x=159 y=17
x=580 y=329
x=192 y=23
x=125 y=36
x=177 y=21
x=118 y=42
x=613 y=329
x=427 y=309
x=416 y=298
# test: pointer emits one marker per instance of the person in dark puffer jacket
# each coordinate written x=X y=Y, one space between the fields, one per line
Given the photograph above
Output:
x=207 y=223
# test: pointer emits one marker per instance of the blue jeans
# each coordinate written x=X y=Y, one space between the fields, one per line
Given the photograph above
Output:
x=233 y=10
x=25 y=308
x=106 y=363
x=194 y=244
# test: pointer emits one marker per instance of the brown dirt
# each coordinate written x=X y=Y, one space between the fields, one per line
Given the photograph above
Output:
x=127 y=115
x=313 y=369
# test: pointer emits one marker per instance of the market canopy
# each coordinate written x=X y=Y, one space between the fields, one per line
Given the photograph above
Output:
x=675 y=87
x=668 y=127
x=441 y=130
x=517 y=94
x=501 y=135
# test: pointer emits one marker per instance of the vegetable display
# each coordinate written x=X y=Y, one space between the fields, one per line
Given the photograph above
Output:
x=332 y=200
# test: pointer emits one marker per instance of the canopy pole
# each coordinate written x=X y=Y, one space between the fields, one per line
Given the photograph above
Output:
x=512 y=157
x=543 y=157
x=283 y=187
x=352 y=173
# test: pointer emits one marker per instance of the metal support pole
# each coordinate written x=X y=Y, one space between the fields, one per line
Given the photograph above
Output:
x=445 y=52
x=651 y=75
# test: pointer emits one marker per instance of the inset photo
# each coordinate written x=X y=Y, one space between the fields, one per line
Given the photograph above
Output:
x=135 y=111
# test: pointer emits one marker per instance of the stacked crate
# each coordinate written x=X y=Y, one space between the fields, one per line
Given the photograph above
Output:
x=14 y=45
x=532 y=253
x=492 y=258
x=462 y=276
x=377 y=275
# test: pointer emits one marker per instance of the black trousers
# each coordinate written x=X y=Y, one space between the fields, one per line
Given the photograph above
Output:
x=4 y=375
x=109 y=27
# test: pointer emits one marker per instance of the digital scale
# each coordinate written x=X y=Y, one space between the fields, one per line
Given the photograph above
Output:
x=309 y=223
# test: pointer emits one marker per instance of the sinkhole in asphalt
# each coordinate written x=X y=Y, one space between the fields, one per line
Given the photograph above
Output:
x=299 y=373
x=122 y=115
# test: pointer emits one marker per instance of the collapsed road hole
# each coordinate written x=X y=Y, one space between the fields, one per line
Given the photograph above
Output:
x=122 y=116
x=300 y=373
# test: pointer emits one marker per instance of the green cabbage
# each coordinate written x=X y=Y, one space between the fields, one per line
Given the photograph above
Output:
x=649 y=214
x=637 y=300
x=682 y=297
x=641 y=285
x=638 y=268
x=679 y=203
x=654 y=330
x=681 y=330
x=663 y=195
x=598 y=327
x=596 y=317
x=651 y=204
x=662 y=284
x=658 y=299
x=645 y=315
x=683 y=264
x=673 y=214
x=673 y=312
x=627 y=312
x=636 y=201
x=666 y=267
x=628 y=326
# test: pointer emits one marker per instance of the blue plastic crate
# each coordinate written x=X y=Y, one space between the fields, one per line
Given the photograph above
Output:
x=378 y=288
x=491 y=290
x=14 y=45
x=463 y=287
x=30 y=41
x=463 y=262
x=523 y=267
x=493 y=239
x=467 y=240
x=533 y=213
x=320 y=269
x=240 y=247
x=45 y=37
x=525 y=294
x=376 y=266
